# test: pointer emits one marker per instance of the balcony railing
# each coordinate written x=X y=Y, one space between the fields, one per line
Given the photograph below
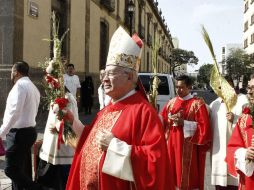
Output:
x=108 y=4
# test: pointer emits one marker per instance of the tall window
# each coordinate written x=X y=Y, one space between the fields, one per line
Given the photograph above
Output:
x=148 y=26
x=140 y=27
x=149 y=36
x=126 y=14
x=245 y=43
x=246 y=6
x=154 y=30
x=246 y=26
x=103 y=43
x=147 y=61
x=252 y=38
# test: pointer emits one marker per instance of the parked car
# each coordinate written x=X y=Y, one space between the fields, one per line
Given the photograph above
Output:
x=166 y=89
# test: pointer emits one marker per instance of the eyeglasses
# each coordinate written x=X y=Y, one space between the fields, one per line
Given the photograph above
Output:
x=112 y=74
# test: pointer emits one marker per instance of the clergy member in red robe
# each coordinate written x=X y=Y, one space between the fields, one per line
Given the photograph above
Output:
x=124 y=148
x=240 y=148
x=188 y=135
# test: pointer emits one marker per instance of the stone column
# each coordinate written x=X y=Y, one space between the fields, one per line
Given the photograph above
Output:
x=11 y=44
x=7 y=31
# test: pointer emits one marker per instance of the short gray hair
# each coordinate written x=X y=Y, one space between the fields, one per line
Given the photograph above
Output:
x=133 y=72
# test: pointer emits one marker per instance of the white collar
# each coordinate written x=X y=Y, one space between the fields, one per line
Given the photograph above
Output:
x=125 y=96
x=22 y=79
x=189 y=96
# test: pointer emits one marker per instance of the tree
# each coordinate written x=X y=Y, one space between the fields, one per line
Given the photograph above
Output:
x=180 y=57
x=239 y=64
x=204 y=74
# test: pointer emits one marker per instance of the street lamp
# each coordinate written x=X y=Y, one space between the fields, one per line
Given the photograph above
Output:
x=131 y=10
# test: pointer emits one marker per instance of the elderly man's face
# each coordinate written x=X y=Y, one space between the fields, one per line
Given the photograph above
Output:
x=250 y=91
x=116 y=82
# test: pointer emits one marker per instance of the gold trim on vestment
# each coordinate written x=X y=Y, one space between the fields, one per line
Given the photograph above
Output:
x=242 y=126
x=91 y=154
x=186 y=161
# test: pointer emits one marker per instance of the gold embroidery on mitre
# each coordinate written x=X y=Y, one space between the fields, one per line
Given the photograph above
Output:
x=124 y=60
x=91 y=154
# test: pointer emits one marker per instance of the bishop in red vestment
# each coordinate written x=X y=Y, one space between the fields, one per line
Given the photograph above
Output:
x=124 y=148
x=188 y=134
x=240 y=148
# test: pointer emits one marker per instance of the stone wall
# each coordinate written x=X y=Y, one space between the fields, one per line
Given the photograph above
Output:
x=6 y=85
x=6 y=31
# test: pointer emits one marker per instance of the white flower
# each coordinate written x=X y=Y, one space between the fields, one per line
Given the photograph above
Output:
x=50 y=68
x=55 y=108
x=67 y=96
x=51 y=104
x=51 y=62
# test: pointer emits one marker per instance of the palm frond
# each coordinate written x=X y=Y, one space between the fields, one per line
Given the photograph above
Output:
x=219 y=84
x=210 y=45
x=208 y=41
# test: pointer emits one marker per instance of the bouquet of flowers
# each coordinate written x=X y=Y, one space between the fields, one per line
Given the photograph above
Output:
x=54 y=85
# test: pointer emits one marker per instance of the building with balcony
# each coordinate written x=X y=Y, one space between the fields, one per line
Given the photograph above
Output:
x=248 y=23
x=24 y=25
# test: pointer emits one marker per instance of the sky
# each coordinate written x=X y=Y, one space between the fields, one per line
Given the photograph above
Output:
x=223 y=19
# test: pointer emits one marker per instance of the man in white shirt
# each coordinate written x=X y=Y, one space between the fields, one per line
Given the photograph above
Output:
x=19 y=127
x=222 y=123
x=71 y=81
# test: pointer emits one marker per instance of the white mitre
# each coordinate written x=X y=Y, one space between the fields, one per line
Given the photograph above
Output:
x=124 y=51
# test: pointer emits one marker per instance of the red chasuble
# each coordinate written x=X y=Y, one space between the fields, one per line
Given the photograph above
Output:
x=187 y=155
x=241 y=138
x=135 y=122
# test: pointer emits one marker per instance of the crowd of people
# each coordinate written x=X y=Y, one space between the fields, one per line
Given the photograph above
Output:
x=129 y=145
